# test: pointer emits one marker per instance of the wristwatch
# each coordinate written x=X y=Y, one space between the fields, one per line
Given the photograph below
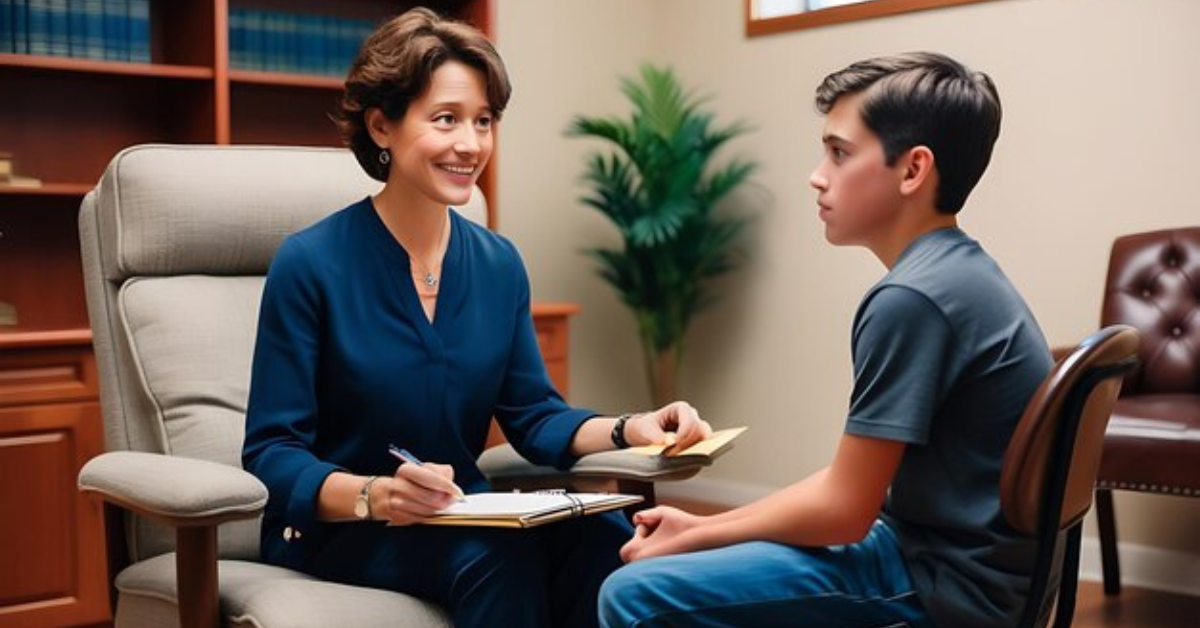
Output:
x=362 y=503
x=618 y=431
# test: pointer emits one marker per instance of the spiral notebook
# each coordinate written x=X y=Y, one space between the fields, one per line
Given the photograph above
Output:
x=526 y=510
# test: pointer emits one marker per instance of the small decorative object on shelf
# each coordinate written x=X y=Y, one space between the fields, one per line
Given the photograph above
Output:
x=9 y=178
x=8 y=315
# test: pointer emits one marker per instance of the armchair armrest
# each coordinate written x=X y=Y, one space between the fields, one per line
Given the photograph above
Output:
x=503 y=463
x=194 y=497
x=181 y=492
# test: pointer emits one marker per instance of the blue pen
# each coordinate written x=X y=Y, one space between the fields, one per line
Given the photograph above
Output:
x=406 y=456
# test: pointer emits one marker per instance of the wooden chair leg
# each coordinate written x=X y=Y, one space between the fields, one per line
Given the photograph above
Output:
x=196 y=577
x=1107 y=525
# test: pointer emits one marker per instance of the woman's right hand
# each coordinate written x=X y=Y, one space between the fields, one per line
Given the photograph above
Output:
x=416 y=492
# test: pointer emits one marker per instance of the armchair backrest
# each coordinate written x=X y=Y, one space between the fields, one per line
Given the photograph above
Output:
x=176 y=242
x=1154 y=285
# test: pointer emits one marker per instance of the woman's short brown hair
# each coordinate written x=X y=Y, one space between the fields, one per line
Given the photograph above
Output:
x=395 y=66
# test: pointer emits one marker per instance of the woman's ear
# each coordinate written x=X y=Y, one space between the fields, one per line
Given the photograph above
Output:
x=919 y=171
x=378 y=126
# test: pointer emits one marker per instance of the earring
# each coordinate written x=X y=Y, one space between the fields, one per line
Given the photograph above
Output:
x=385 y=157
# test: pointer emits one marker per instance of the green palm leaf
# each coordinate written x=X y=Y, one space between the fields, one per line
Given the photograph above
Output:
x=658 y=186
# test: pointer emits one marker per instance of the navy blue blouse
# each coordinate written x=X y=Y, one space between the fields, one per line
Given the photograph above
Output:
x=346 y=361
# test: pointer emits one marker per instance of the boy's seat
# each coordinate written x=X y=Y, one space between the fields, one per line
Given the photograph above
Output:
x=1051 y=464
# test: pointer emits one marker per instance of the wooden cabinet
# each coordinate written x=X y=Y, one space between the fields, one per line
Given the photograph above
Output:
x=51 y=538
x=63 y=119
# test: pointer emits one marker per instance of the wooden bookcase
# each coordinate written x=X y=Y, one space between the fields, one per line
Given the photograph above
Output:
x=63 y=119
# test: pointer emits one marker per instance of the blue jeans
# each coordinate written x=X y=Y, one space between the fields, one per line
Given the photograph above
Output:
x=759 y=584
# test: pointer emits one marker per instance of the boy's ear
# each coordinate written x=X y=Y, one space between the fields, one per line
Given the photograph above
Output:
x=919 y=165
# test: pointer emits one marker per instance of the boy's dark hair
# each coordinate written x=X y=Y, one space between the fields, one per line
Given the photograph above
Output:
x=394 y=67
x=925 y=99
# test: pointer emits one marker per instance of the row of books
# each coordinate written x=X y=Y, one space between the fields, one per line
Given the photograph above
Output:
x=114 y=30
x=288 y=42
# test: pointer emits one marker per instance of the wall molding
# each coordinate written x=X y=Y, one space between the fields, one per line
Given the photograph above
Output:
x=1141 y=565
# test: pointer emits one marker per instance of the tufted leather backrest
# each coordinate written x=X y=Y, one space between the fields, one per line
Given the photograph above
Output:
x=1154 y=285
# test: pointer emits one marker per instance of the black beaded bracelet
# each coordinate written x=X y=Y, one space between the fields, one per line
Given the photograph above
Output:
x=618 y=431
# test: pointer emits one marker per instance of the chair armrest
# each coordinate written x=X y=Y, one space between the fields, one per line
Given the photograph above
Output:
x=180 y=492
x=502 y=463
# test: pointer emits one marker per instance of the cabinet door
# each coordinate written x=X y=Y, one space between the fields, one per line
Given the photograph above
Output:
x=52 y=570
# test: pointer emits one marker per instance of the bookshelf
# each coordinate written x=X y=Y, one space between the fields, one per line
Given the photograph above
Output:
x=63 y=118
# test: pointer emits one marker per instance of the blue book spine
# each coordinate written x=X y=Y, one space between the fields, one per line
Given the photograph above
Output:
x=38 y=26
x=237 y=38
x=270 y=54
x=93 y=29
x=273 y=23
x=60 y=28
x=349 y=32
x=8 y=32
x=20 y=25
x=77 y=39
x=116 y=30
x=288 y=49
x=314 y=43
x=139 y=31
x=330 y=44
x=254 y=40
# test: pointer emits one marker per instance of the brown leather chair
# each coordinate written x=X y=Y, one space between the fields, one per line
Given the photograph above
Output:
x=1153 y=440
x=1050 y=465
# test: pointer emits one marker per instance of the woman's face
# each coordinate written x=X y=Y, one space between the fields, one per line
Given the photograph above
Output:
x=441 y=145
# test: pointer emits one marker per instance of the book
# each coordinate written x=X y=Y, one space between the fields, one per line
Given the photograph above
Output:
x=710 y=447
x=526 y=510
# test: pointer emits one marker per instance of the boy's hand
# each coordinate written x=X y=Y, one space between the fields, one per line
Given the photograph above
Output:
x=662 y=531
x=678 y=421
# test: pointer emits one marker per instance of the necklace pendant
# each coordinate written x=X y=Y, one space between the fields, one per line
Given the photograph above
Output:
x=430 y=280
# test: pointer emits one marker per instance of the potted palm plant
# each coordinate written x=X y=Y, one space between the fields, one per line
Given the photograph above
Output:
x=658 y=187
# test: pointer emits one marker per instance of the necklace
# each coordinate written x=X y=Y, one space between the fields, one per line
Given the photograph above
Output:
x=426 y=276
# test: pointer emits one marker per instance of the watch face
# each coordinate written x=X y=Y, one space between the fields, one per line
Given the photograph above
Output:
x=360 y=508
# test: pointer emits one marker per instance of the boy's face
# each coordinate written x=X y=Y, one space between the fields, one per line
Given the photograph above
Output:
x=858 y=193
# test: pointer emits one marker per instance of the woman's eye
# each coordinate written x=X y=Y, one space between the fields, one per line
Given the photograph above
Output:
x=484 y=122
x=446 y=119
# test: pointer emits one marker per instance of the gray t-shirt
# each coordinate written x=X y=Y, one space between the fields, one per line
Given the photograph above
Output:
x=946 y=356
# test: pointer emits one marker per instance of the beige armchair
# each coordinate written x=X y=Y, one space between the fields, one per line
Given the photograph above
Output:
x=176 y=241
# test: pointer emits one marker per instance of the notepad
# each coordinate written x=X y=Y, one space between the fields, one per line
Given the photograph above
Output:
x=710 y=447
x=526 y=510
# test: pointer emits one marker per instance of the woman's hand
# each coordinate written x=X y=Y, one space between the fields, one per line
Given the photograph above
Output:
x=662 y=531
x=678 y=418
x=415 y=493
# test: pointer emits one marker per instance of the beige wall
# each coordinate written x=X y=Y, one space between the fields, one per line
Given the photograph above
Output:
x=1100 y=138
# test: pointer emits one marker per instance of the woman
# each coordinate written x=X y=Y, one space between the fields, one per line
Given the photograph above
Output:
x=397 y=320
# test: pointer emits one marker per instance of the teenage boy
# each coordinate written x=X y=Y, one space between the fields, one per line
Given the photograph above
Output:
x=904 y=527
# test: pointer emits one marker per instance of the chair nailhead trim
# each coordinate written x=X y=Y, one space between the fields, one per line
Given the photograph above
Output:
x=1185 y=491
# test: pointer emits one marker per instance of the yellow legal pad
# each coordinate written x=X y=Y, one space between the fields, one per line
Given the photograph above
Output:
x=526 y=510
x=709 y=447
